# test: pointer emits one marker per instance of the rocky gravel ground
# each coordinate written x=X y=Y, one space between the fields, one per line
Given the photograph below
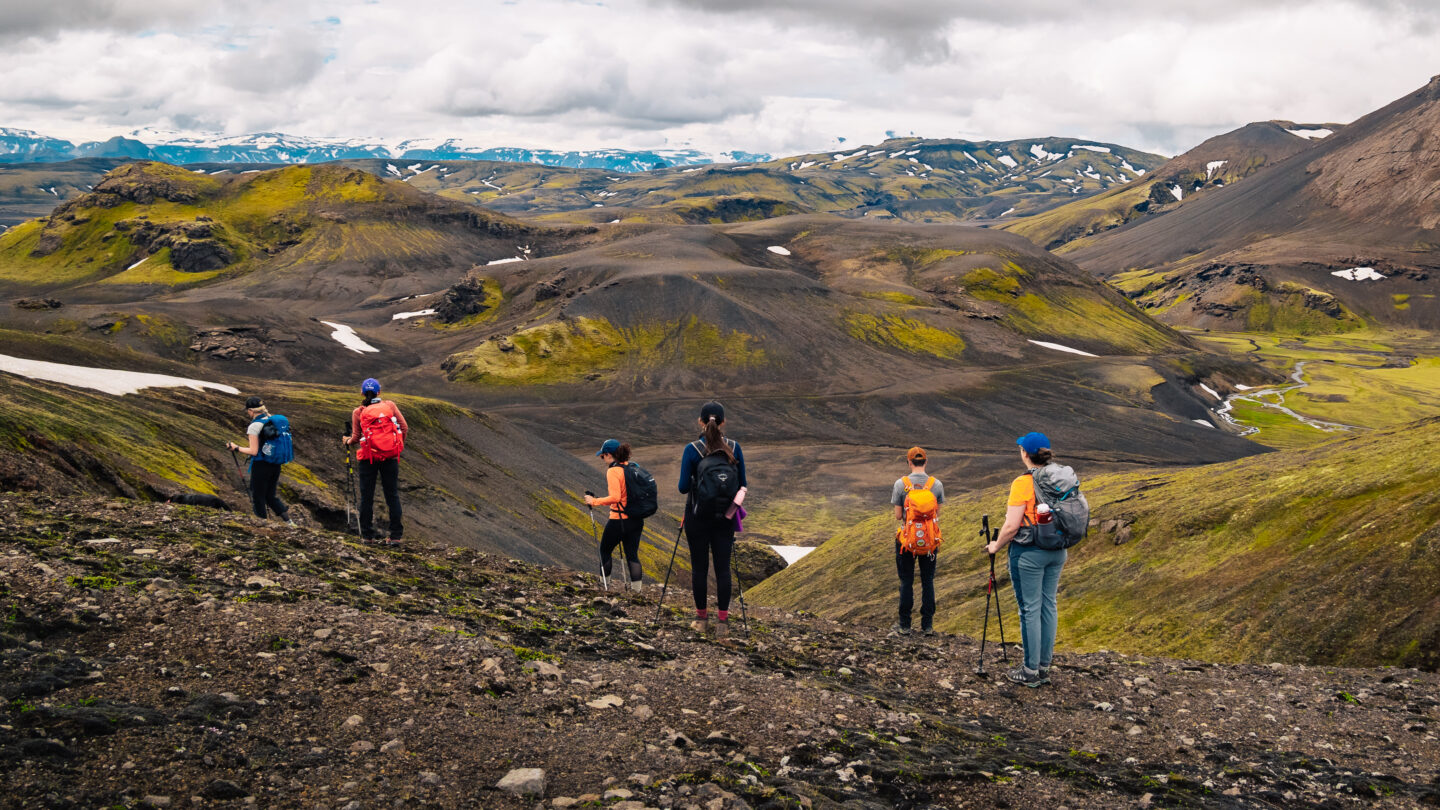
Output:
x=164 y=656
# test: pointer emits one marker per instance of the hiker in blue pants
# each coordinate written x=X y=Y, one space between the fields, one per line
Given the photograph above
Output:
x=1034 y=572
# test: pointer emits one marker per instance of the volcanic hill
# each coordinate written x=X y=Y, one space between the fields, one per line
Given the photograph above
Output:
x=1339 y=235
x=1220 y=161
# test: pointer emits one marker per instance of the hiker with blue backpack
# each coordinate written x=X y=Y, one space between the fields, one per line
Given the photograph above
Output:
x=1045 y=515
x=631 y=496
x=712 y=477
x=269 y=447
x=377 y=429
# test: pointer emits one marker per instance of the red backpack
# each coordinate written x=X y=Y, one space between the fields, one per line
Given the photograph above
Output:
x=380 y=434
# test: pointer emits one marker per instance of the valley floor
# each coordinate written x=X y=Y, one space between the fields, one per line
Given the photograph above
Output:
x=172 y=656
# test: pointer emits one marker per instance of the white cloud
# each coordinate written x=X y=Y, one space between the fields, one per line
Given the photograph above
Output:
x=784 y=76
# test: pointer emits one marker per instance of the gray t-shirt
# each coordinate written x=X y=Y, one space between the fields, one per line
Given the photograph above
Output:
x=255 y=428
x=897 y=494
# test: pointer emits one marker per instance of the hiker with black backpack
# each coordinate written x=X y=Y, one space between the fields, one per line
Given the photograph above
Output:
x=712 y=477
x=269 y=447
x=631 y=496
x=917 y=498
x=378 y=430
x=1045 y=514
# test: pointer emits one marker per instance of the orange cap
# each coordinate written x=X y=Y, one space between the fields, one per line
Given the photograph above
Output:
x=915 y=455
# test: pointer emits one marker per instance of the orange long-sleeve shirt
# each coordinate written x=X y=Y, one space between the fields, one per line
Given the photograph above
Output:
x=615 y=499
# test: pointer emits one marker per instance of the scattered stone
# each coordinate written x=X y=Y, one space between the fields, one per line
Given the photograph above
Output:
x=606 y=702
x=523 y=782
x=544 y=669
x=616 y=793
x=38 y=303
x=323 y=633
x=225 y=789
x=393 y=747
x=352 y=721
x=362 y=747
x=156 y=801
x=643 y=713
x=429 y=778
x=1134 y=731
x=144 y=552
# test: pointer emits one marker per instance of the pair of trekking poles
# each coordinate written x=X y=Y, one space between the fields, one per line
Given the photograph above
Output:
x=992 y=593
x=665 y=588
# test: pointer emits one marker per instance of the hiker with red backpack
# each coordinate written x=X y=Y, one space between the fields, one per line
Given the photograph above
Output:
x=631 y=497
x=378 y=429
x=712 y=478
x=917 y=498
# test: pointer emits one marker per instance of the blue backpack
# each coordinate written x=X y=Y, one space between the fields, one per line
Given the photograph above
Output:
x=275 y=444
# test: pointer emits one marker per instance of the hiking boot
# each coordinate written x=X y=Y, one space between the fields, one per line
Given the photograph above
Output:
x=927 y=631
x=1024 y=677
x=722 y=630
x=1044 y=674
x=701 y=626
x=637 y=586
x=898 y=629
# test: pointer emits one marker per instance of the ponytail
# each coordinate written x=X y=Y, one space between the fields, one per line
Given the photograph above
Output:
x=622 y=454
x=715 y=440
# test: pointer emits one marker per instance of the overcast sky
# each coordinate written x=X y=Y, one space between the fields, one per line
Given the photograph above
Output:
x=778 y=76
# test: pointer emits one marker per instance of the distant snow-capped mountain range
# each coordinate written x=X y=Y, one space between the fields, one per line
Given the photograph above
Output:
x=24 y=146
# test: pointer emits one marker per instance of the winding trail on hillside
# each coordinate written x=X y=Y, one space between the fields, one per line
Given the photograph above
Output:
x=1254 y=396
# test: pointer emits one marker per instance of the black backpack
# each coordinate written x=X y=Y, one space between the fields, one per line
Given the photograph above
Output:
x=642 y=497
x=713 y=488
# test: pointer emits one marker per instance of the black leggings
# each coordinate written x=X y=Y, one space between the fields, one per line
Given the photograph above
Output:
x=264 y=479
x=627 y=532
x=389 y=474
x=707 y=541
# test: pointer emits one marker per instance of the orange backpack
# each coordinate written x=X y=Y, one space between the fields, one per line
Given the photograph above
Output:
x=920 y=534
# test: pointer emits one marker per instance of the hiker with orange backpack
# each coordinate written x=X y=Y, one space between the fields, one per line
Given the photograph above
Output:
x=917 y=498
x=378 y=428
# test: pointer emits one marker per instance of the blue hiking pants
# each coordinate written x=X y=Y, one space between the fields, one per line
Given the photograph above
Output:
x=1035 y=575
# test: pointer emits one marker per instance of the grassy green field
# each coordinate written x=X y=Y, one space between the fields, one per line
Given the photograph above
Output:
x=1365 y=379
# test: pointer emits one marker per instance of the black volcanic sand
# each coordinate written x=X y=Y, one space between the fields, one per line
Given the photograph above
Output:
x=164 y=656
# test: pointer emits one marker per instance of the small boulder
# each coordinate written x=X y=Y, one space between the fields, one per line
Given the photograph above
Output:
x=523 y=782
x=225 y=789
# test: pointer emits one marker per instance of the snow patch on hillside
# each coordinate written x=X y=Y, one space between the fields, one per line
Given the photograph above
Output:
x=1359 y=274
x=506 y=261
x=1008 y=161
x=792 y=554
x=400 y=316
x=1092 y=147
x=345 y=336
x=1057 y=347
x=1211 y=391
x=778 y=250
x=107 y=380
x=1311 y=134
x=1041 y=154
x=1213 y=166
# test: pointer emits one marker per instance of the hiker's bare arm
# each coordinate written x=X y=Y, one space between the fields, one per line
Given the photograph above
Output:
x=899 y=513
x=1014 y=515
x=252 y=450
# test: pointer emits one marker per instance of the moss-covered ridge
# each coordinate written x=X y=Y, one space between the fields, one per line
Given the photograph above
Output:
x=1325 y=555
x=154 y=224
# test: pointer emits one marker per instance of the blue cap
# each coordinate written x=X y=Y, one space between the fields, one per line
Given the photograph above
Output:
x=610 y=446
x=1032 y=443
x=370 y=386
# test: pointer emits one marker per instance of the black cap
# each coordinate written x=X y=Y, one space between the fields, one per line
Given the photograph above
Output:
x=253 y=402
x=712 y=408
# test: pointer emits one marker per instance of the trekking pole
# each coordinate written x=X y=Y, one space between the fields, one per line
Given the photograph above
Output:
x=668 y=569
x=740 y=591
x=352 y=520
x=999 y=614
x=235 y=454
x=985 y=631
x=594 y=533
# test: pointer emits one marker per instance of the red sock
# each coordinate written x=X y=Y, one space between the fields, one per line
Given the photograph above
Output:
x=723 y=615
x=700 y=614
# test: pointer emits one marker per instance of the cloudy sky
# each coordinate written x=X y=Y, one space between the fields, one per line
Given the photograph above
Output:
x=777 y=76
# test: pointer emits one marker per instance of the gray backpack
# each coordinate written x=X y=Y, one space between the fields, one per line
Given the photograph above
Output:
x=1059 y=487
